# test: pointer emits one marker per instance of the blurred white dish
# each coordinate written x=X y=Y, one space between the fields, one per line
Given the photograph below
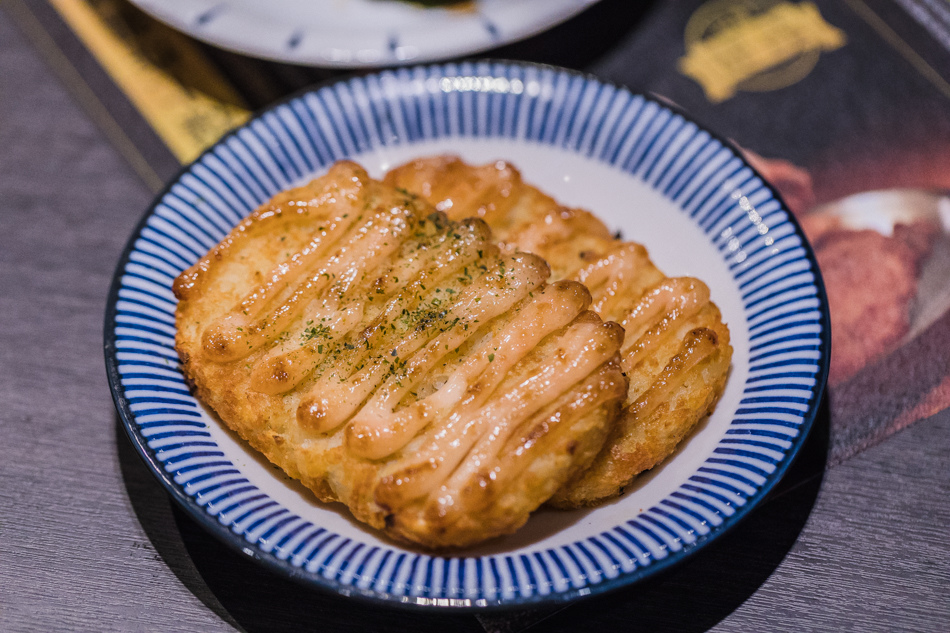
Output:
x=360 y=33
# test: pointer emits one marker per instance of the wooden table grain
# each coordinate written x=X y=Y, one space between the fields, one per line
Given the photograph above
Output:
x=89 y=541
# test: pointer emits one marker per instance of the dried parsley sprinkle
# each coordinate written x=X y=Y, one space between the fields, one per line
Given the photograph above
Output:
x=316 y=331
x=491 y=357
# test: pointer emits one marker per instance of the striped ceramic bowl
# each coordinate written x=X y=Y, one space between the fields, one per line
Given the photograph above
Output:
x=645 y=169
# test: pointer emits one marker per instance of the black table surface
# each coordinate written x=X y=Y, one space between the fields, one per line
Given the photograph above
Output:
x=90 y=541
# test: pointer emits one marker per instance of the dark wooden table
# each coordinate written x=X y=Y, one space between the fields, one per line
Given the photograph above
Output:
x=90 y=541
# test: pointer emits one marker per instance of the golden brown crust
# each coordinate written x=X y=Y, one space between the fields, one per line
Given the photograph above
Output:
x=663 y=415
x=399 y=362
x=677 y=351
x=520 y=216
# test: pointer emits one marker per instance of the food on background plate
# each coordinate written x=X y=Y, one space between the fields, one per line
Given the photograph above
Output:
x=676 y=352
x=870 y=305
x=400 y=362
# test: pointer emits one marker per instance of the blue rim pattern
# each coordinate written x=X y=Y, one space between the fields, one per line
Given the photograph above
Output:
x=770 y=262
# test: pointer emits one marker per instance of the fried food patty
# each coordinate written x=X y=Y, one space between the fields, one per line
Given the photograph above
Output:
x=676 y=352
x=870 y=306
x=397 y=361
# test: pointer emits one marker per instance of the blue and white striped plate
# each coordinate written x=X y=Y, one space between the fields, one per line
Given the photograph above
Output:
x=646 y=169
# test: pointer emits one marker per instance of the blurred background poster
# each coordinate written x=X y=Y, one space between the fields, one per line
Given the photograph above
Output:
x=840 y=105
x=844 y=105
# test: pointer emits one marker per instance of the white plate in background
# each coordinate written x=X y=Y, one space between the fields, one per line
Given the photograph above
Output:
x=360 y=33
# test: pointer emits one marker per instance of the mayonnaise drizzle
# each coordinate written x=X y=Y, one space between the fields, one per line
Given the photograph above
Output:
x=416 y=342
